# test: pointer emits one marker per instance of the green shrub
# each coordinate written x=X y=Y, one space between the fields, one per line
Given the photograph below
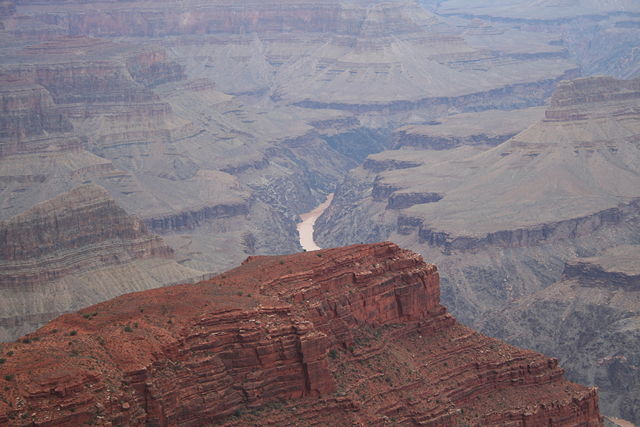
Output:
x=128 y=329
x=73 y=333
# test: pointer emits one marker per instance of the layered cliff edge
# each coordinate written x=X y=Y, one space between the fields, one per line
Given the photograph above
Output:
x=76 y=249
x=346 y=336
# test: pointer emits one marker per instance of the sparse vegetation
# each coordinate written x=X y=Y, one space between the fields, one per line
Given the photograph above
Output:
x=73 y=333
x=8 y=377
x=128 y=329
x=333 y=354
x=26 y=341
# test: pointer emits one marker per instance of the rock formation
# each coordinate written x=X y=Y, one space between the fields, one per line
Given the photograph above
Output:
x=345 y=336
x=588 y=320
x=74 y=250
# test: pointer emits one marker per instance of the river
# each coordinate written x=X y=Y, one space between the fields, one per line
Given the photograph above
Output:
x=305 y=228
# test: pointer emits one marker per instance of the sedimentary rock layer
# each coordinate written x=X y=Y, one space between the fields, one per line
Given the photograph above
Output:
x=46 y=251
x=348 y=335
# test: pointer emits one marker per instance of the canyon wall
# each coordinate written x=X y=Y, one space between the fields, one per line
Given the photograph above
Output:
x=347 y=335
x=48 y=250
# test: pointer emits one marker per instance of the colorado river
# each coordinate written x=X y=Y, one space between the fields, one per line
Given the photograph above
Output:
x=305 y=228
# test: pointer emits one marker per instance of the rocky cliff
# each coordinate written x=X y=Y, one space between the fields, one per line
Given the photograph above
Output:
x=588 y=320
x=47 y=251
x=341 y=336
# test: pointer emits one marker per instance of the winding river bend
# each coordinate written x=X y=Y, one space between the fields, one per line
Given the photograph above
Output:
x=305 y=228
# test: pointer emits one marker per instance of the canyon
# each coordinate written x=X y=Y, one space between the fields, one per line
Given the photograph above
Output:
x=502 y=221
x=144 y=144
x=499 y=220
x=347 y=335
x=219 y=123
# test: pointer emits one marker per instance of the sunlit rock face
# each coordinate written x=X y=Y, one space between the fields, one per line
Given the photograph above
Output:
x=347 y=335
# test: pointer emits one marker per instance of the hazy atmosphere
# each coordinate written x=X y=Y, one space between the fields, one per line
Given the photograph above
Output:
x=238 y=163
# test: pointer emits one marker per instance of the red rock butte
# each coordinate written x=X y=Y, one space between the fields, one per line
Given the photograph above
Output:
x=347 y=336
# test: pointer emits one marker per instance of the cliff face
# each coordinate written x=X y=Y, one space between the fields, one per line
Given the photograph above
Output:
x=349 y=335
x=501 y=222
x=589 y=320
x=47 y=251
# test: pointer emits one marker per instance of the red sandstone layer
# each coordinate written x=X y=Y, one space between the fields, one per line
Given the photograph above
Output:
x=340 y=336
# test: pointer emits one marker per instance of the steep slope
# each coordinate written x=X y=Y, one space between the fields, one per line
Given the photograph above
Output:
x=590 y=320
x=501 y=222
x=74 y=250
x=345 y=336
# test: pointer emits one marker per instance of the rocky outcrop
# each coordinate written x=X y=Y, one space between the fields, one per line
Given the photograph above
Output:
x=348 y=335
x=45 y=250
x=589 y=320
x=103 y=72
